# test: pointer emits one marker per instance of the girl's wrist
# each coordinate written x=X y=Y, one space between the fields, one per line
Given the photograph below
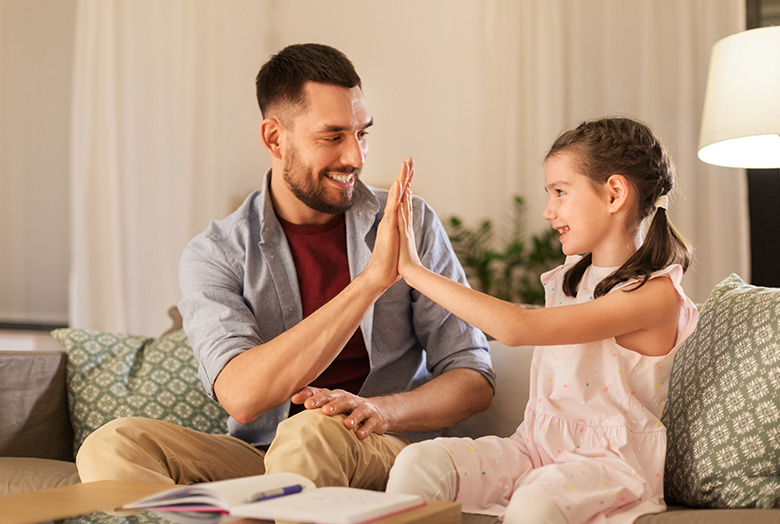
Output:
x=411 y=271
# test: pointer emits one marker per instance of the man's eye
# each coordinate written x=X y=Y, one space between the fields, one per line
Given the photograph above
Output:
x=362 y=135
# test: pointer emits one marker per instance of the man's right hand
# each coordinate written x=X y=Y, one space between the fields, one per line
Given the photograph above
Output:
x=298 y=356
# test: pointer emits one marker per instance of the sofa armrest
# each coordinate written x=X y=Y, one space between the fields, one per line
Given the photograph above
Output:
x=34 y=417
x=513 y=368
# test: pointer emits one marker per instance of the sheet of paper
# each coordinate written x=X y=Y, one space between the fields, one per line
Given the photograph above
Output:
x=333 y=505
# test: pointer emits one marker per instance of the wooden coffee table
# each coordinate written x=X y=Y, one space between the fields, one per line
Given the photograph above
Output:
x=107 y=495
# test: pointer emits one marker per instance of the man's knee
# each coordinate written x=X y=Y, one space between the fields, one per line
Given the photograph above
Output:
x=109 y=452
x=313 y=430
x=322 y=449
x=112 y=435
x=314 y=421
x=156 y=451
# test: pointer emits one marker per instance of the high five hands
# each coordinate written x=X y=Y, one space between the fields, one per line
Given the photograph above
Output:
x=407 y=255
x=394 y=253
x=395 y=249
x=399 y=216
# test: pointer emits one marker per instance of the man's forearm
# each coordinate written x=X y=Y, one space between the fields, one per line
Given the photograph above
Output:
x=440 y=403
x=266 y=376
x=295 y=358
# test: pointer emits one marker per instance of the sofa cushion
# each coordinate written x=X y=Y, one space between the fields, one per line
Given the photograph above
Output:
x=19 y=475
x=113 y=375
x=505 y=413
x=34 y=418
x=723 y=414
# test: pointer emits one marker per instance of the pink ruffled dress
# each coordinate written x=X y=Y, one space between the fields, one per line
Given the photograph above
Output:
x=591 y=440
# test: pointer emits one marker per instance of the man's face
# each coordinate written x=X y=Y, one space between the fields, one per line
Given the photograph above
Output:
x=325 y=148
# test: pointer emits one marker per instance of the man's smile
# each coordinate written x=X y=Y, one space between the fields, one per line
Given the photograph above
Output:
x=347 y=180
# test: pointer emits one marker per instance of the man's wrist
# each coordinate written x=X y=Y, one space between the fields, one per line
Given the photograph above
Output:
x=385 y=408
x=371 y=284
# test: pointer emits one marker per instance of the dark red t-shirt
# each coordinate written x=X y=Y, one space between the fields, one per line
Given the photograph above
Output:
x=320 y=255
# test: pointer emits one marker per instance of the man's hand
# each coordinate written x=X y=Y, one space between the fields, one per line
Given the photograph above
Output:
x=383 y=264
x=363 y=415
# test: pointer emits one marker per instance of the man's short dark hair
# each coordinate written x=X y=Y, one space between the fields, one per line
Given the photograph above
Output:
x=282 y=78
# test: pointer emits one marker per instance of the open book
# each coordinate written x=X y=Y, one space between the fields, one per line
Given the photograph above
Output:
x=283 y=496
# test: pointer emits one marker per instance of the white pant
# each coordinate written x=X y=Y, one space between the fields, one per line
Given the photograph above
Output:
x=426 y=469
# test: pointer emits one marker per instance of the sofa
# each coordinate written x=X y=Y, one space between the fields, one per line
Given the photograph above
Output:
x=722 y=418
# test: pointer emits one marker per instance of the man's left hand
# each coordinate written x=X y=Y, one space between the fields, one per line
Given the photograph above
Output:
x=364 y=415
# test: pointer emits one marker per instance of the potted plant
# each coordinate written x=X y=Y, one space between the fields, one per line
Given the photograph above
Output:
x=508 y=270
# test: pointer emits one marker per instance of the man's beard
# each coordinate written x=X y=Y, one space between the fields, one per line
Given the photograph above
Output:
x=311 y=193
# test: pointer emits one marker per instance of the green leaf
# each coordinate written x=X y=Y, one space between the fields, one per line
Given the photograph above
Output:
x=507 y=269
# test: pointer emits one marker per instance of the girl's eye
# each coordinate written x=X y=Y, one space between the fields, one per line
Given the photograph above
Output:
x=559 y=192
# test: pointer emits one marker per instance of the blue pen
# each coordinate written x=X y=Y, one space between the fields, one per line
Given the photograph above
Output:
x=273 y=493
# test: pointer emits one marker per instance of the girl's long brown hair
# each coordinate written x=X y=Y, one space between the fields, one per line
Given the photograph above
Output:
x=627 y=147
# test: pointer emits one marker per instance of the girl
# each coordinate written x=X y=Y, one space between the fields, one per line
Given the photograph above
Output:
x=591 y=447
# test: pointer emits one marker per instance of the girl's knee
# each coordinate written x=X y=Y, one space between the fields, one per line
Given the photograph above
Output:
x=425 y=469
x=532 y=508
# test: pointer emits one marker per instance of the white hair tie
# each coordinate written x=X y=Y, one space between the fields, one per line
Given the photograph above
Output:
x=662 y=201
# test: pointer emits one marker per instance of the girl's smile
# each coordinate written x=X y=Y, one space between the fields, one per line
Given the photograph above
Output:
x=575 y=208
x=585 y=214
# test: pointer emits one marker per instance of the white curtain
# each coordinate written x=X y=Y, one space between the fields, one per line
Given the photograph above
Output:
x=35 y=63
x=152 y=154
x=563 y=61
x=164 y=122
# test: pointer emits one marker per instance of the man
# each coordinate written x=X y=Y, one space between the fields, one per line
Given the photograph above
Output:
x=307 y=338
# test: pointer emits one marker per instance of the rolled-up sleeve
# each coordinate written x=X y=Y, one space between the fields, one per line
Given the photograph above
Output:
x=217 y=320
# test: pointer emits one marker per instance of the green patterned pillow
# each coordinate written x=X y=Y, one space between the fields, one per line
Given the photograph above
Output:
x=113 y=375
x=723 y=414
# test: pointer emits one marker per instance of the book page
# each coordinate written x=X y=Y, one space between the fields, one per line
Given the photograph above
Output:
x=334 y=505
x=221 y=494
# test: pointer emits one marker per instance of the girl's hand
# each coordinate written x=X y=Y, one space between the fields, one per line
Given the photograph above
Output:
x=383 y=265
x=407 y=255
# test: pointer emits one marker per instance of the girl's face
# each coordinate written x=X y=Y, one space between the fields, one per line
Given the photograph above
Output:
x=575 y=207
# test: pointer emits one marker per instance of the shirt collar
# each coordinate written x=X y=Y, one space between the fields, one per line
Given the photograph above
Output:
x=366 y=204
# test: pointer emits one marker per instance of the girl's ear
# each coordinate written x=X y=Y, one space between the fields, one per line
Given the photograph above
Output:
x=271 y=135
x=618 y=190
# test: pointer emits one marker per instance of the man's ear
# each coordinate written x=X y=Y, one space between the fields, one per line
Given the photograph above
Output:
x=618 y=191
x=271 y=134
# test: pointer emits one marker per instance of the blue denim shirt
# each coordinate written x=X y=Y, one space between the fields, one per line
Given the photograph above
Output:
x=240 y=289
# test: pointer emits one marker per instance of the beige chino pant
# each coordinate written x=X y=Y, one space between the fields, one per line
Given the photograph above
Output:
x=310 y=443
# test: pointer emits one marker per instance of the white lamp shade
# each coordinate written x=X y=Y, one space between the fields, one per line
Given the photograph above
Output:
x=740 y=125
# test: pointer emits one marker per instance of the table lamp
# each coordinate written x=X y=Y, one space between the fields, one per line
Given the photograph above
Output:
x=740 y=125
